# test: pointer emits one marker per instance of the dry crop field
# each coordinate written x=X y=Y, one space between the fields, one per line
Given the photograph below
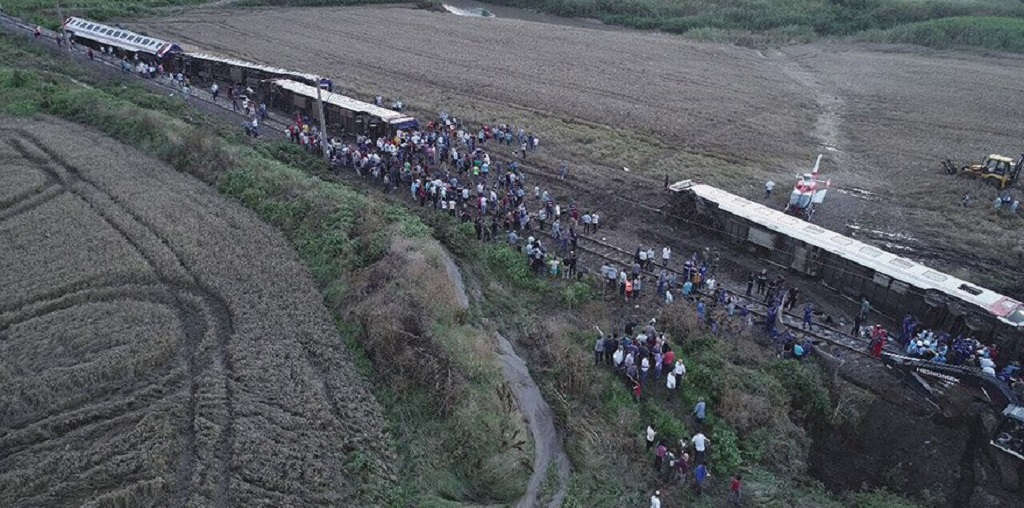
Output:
x=662 y=105
x=160 y=345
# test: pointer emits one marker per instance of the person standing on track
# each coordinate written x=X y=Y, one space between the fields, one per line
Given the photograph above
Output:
x=214 y=91
x=808 y=317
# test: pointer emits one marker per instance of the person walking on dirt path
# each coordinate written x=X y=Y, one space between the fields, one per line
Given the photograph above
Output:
x=683 y=466
x=659 y=456
x=769 y=186
x=595 y=220
x=666 y=255
x=699 y=412
x=700 y=477
x=563 y=170
x=734 y=490
x=214 y=91
x=656 y=499
x=650 y=436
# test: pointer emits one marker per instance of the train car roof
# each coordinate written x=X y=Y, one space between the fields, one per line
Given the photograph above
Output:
x=886 y=263
x=119 y=37
x=388 y=115
x=251 y=65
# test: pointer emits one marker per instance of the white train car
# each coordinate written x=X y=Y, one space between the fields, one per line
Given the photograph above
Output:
x=895 y=285
x=123 y=42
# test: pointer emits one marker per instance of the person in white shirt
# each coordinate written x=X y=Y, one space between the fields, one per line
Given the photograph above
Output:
x=700 y=443
x=666 y=253
x=650 y=436
x=656 y=499
x=768 y=187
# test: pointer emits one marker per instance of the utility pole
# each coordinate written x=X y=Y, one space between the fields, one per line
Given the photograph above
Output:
x=60 y=20
x=323 y=122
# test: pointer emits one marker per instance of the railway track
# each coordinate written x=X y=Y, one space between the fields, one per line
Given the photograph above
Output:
x=608 y=252
x=587 y=245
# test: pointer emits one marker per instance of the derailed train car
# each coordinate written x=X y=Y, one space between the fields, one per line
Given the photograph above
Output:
x=343 y=114
x=207 y=68
x=123 y=42
x=894 y=285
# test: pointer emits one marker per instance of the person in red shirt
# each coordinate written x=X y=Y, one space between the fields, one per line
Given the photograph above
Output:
x=878 y=338
x=734 y=490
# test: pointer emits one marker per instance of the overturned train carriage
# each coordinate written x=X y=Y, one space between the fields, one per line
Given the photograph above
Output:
x=343 y=114
x=894 y=285
x=123 y=42
x=208 y=68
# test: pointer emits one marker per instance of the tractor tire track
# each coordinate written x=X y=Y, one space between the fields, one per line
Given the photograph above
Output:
x=174 y=273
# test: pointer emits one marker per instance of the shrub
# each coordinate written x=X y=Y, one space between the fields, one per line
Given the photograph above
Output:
x=805 y=385
x=725 y=451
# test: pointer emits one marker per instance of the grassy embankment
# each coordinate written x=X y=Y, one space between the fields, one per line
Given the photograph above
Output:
x=459 y=434
x=371 y=257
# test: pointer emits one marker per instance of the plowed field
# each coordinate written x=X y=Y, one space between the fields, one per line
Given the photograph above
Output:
x=160 y=345
x=670 y=108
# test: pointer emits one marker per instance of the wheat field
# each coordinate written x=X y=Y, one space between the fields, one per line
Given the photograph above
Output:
x=159 y=345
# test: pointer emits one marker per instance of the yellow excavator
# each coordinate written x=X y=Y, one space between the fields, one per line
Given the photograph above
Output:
x=997 y=170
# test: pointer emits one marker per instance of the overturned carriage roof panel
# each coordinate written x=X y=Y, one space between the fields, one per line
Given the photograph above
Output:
x=347 y=103
x=256 y=66
x=886 y=263
x=119 y=37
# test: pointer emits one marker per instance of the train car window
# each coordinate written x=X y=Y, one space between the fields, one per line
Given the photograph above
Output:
x=970 y=289
x=902 y=263
x=841 y=240
x=814 y=229
x=870 y=251
x=934 y=276
x=147 y=42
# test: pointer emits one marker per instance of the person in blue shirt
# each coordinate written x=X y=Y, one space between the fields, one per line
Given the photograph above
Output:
x=808 y=316
x=700 y=476
x=687 y=288
x=700 y=311
x=700 y=411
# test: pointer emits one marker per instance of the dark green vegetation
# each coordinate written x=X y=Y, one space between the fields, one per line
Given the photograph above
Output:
x=993 y=24
x=44 y=12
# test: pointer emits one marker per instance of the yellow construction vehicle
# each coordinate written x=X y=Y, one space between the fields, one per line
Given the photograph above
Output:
x=996 y=170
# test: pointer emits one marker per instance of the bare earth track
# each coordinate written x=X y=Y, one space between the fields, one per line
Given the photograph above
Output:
x=160 y=344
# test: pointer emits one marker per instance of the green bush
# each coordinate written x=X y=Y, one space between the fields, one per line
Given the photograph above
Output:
x=575 y=294
x=805 y=385
x=725 y=451
x=997 y=33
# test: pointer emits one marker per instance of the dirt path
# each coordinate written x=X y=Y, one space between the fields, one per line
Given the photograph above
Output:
x=547 y=442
